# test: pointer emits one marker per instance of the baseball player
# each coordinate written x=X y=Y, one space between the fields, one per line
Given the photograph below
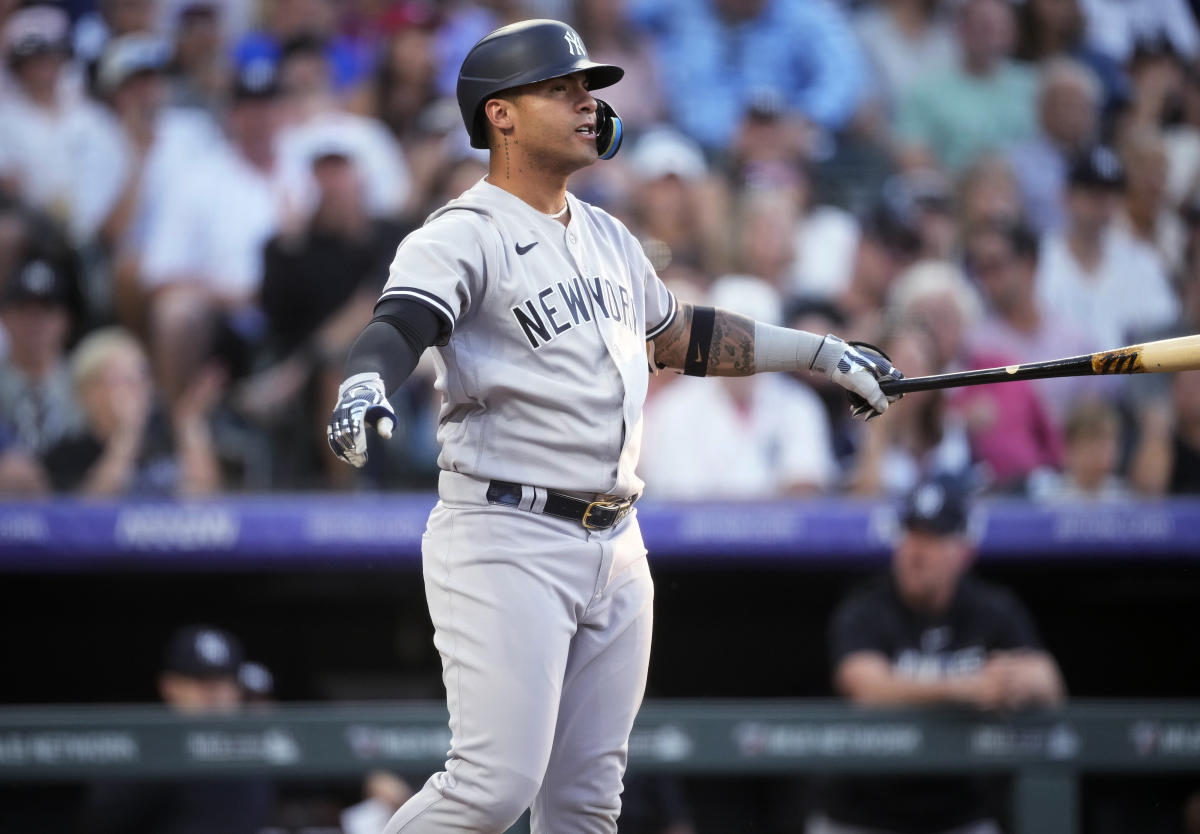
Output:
x=543 y=311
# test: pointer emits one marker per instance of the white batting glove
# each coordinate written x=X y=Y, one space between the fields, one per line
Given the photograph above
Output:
x=362 y=401
x=859 y=371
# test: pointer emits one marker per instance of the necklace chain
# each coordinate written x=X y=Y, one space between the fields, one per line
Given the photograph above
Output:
x=558 y=213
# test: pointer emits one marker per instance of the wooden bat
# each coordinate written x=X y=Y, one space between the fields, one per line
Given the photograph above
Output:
x=1181 y=354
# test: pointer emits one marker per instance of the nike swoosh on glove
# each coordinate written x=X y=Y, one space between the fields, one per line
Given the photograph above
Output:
x=362 y=401
x=858 y=367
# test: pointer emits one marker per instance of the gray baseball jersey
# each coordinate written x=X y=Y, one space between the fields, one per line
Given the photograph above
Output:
x=533 y=381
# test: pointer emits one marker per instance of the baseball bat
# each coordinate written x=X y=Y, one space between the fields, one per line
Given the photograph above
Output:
x=1181 y=354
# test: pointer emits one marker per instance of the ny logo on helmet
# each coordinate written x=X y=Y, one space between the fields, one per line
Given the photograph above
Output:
x=574 y=43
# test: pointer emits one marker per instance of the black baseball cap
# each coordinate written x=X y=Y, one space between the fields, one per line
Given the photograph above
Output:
x=203 y=651
x=938 y=505
x=1099 y=168
x=38 y=281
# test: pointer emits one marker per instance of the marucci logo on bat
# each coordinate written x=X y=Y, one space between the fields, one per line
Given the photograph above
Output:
x=1117 y=362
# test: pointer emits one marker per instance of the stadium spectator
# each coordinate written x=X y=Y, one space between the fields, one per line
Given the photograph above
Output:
x=462 y=25
x=749 y=437
x=1069 y=102
x=27 y=233
x=104 y=21
x=36 y=397
x=737 y=51
x=312 y=112
x=824 y=240
x=983 y=104
x=1091 y=458
x=1166 y=457
x=606 y=28
x=158 y=146
x=677 y=207
x=202 y=268
x=319 y=288
x=1116 y=28
x=1162 y=403
x=764 y=219
x=890 y=241
x=128 y=445
x=198 y=678
x=768 y=139
x=1002 y=260
x=1183 y=143
x=905 y=39
x=55 y=145
x=1007 y=428
x=987 y=193
x=1155 y=83
x=821 y=315
x=285 y=21
x=197 y=73
x=1053 y=29
x=924 y=439
x=933 y=199
x=936 y=295
x=405 y=81
x=1184 y=472
x=930 y=634
x=1146 y=212
x=1092 y=273
x=21 y=476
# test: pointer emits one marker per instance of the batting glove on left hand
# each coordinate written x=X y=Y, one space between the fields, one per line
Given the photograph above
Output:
x=362 y=401
x=859 y=368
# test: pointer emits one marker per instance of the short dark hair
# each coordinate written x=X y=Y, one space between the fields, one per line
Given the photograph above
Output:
x=1019 y=235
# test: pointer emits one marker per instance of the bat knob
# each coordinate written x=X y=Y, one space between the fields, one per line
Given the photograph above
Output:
x=384 y=426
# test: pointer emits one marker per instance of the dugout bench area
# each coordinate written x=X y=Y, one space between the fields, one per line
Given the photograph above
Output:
x=1046 y=753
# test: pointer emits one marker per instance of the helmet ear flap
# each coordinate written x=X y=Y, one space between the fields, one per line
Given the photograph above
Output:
x=609 y=130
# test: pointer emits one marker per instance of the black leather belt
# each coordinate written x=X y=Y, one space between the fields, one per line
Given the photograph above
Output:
x=594 y=515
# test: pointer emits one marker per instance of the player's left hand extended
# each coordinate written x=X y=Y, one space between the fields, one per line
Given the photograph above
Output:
x=859 y=368
x=362 y=401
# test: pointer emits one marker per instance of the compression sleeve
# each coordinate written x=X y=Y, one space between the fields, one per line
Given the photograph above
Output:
x=783 y=349
x=394 y=340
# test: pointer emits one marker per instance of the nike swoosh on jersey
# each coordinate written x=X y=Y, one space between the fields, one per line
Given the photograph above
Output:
x=521 y=250
x=699 y=355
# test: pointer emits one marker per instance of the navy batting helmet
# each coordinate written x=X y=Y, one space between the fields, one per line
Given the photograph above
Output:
x=525 y=53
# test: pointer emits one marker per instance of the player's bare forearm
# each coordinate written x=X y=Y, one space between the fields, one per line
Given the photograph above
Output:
x=728 y=351
x=866 y=678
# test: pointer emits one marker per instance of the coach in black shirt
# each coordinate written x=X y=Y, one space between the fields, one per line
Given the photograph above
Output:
x=928 y=634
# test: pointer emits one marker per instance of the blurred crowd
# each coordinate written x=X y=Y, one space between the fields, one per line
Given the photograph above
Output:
x=200 y=199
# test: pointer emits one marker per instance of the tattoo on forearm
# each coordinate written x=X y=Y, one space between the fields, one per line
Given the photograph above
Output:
x=730 y=350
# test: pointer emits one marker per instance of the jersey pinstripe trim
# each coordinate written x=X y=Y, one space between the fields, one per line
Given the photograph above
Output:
x=427 y=298
x=665 y=323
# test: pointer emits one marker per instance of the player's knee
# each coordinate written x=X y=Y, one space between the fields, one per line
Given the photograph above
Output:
x=495 y=799
x=576 y=808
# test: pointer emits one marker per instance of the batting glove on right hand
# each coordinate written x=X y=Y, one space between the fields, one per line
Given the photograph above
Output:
x=859 y=368
x=362 y=401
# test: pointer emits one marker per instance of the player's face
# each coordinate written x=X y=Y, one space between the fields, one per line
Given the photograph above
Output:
x=927 y=567
x=555 y=121
x=200 y=695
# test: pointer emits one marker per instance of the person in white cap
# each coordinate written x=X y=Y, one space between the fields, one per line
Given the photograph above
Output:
x=54 y=144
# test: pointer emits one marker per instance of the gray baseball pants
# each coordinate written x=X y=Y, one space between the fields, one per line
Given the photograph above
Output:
x=544 y=633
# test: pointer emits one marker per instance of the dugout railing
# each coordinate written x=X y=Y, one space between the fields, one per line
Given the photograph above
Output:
x=1046 y=753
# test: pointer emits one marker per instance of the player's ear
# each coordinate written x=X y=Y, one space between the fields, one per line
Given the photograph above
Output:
x=498 y=112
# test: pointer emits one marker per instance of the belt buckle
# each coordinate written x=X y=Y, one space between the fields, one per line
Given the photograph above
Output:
x=614 y=506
